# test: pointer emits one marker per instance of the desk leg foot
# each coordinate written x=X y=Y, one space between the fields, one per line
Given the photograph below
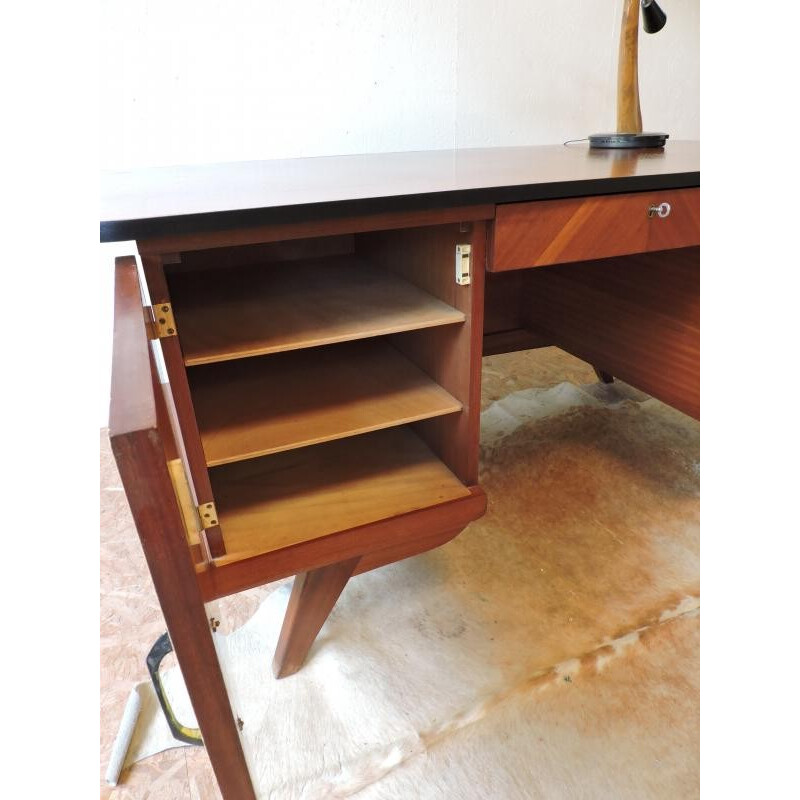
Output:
x=605 y=377
x=313 y=597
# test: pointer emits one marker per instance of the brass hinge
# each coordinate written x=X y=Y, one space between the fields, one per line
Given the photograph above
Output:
x=463 y=256
x=207 y=512
x=163 y=321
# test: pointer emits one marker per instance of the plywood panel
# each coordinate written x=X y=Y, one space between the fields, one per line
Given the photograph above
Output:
x=278 y=501
x=450 y=355
x=637 y=318
x=227 y=314
x=256 y=406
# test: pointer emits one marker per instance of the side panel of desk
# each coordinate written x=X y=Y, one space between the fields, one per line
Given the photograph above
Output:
x=636 y=318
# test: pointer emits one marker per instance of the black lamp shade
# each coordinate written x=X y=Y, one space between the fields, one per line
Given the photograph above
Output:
x=653 y=18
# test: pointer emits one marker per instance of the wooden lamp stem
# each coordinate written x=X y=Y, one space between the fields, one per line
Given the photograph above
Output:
x=629 y=114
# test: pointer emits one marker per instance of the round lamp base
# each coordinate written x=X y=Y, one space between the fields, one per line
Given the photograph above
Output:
x=627 y=140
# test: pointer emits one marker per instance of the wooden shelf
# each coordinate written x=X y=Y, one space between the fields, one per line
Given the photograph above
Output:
x=229 y=313
x=269 y=503
x=256 y=406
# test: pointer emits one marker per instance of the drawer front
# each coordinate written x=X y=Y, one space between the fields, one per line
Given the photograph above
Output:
x=584 y=228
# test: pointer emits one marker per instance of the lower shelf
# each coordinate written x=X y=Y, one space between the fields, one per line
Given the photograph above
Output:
x=281 y=500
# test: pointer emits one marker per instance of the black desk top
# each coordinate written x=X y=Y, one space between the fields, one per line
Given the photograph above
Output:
x=172 y=200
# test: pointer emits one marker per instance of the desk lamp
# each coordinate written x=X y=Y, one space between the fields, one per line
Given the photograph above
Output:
x=629 y=115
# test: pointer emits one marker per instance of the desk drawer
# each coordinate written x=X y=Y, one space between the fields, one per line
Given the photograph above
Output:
x=584 y=228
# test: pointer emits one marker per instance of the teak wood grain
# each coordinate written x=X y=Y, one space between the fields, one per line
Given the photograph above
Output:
x=583 y=228
x=257 y=406
x=142 y=461
x=513 y=340
x=200 y=483
x=287 y=251
x=314 y=594
x=236 y=313
x=329 y=224
x=636 y=318
x=404 y=535
x=406 y=547
x=504 y=315
x=452 y=355
x=277 y=501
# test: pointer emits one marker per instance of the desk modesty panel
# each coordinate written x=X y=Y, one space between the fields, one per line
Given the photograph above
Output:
x=321 y=323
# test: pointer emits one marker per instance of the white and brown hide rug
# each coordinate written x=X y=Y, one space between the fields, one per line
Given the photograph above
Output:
x=549 y=651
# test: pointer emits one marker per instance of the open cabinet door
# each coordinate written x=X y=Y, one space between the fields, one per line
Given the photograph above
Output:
x=142 y=442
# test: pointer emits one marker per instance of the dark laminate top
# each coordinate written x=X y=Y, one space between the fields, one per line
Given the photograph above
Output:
x=171 y=200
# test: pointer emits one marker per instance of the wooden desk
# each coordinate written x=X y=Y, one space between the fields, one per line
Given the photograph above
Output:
x=321 y=323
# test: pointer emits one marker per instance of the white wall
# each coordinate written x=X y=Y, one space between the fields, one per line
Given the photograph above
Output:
x=215 y=80
x=208 y=80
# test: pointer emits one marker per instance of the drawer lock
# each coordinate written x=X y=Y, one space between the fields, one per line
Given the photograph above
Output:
x=659 y=211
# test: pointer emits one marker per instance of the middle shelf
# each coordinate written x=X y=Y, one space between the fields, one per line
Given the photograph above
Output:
x=257 y=406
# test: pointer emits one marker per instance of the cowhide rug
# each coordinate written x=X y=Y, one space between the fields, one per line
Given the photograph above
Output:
x=549 y=651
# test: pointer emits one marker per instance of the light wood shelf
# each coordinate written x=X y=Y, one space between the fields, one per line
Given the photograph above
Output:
x=277 y=501
x=257 y=406
x=231 y=313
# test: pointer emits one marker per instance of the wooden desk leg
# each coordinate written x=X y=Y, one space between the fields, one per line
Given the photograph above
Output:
x=313 y=597
x=602 y=376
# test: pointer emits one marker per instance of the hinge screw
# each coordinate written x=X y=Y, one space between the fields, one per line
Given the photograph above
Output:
x=214 y=624
x=239 y=724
